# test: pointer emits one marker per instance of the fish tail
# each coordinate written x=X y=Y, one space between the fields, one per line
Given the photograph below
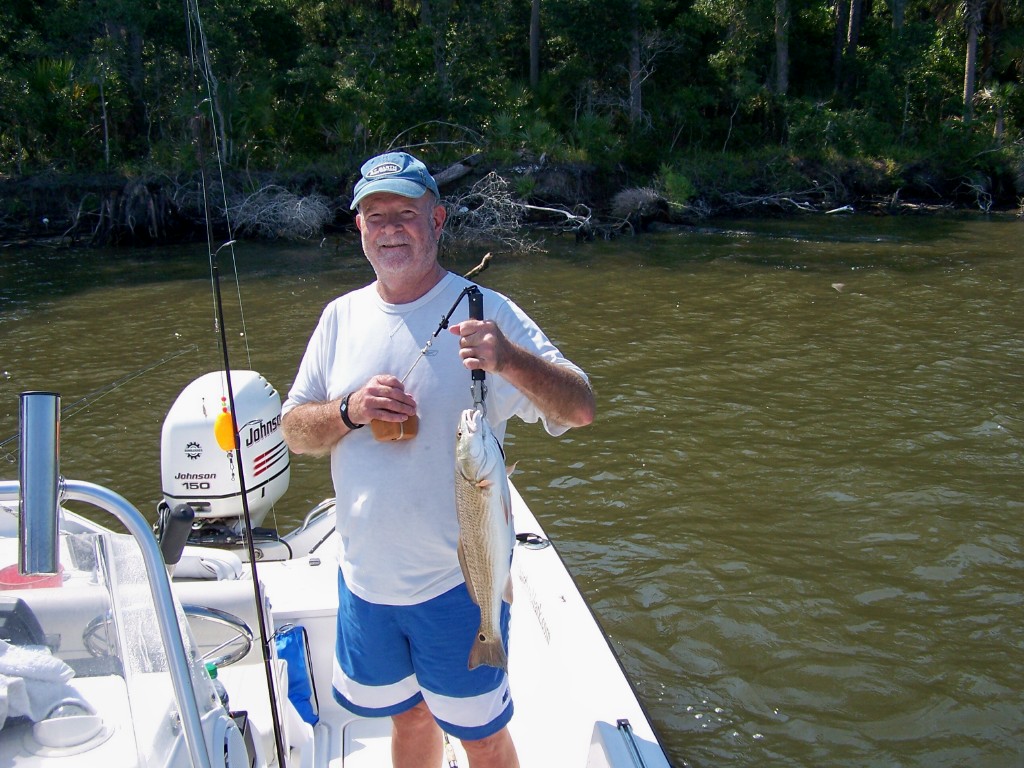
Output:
x=489 y=651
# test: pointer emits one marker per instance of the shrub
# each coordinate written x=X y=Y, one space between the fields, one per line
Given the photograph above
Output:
x=819 y=129
x=678 y=188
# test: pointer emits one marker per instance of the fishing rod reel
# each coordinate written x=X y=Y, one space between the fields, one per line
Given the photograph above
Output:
x=393 y=431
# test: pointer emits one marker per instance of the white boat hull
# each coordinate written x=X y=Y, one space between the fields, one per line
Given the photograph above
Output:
x=570 y=693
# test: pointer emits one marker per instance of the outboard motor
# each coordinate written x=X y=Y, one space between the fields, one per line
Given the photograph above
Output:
x=197 y=457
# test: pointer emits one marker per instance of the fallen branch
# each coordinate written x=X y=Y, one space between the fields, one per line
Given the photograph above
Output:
x=274 y=212
x=581 y=222
x=457 y=170
x=485 y=262
x=488 y=213
x=784 y=200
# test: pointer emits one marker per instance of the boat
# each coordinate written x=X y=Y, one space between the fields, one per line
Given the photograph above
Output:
x=138 y=650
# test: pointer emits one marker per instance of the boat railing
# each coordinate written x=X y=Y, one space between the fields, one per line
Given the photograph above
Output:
x=317 y=512
x=163 y=601
x=38 y=549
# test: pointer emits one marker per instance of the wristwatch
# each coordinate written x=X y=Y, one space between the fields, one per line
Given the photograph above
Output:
x=343 y=409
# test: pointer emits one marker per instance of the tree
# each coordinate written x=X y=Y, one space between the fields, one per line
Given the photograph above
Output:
x=898 y=8
x=636 y=74
x=856 y=19
x=534 y=44
x=781 y=47
x=973 y=11
x=437 y=26
x=841 y=16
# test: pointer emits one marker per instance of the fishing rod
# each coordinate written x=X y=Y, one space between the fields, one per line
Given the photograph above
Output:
x=193 y=16
x=246 y=514
x=84 y=402
x=391 y=431
x=470 y=291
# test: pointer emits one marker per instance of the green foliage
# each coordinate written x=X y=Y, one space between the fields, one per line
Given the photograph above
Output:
x=710 y=176
x=817 y=130
x=962 y=151
x=594 y=139
x=304 y=83
x=58 y=106
x=525 y=184
x=542 y=139
x=676 y=186
x=502 y=135
x=513 y=138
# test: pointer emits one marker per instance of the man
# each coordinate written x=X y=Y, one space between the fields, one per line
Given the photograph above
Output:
x=405 y=620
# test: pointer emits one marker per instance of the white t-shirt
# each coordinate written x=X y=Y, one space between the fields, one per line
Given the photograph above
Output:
x=396 y=500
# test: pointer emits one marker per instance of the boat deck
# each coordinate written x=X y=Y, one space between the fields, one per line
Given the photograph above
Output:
x=569 y=690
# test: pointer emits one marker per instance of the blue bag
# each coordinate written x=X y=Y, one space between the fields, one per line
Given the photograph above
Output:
x=293 y=646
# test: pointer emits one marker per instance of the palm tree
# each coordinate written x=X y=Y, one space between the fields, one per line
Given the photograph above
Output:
x=975 y=14
x=973 y=11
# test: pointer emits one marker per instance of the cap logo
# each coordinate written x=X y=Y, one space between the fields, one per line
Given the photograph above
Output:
x=383 y=169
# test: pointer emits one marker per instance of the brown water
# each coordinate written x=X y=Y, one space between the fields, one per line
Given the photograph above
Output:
x=797 y=516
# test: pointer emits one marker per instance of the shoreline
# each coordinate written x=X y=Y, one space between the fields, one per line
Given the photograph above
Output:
x=117 y=210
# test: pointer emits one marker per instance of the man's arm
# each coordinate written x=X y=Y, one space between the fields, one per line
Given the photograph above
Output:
x=562 y=395
x=314 y=428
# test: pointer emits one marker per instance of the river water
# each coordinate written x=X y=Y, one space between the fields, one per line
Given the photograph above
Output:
x=798 y=514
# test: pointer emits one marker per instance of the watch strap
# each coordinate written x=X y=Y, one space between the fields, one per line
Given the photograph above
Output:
x=343 y=410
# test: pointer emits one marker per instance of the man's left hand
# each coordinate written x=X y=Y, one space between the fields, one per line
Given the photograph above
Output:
x=482 y=345
x=561 y=394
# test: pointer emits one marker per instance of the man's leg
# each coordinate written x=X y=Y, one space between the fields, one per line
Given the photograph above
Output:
x=473 y=706
x=416 y=739
x=495 y=751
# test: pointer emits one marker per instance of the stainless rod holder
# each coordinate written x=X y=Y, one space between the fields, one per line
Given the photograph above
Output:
x=39 y=474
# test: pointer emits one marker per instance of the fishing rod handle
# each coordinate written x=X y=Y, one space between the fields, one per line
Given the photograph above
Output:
x=174 y=527
x=476 y=312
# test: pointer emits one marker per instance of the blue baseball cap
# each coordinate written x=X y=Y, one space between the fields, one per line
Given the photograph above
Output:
x=395 y=172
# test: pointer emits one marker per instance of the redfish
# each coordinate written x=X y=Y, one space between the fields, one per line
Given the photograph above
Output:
x=486 y=533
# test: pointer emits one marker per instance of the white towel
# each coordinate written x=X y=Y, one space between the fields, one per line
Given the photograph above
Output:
x=33 y=682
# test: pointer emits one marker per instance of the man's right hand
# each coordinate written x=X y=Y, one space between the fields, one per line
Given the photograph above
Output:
x=383 y=398
x=314 y=428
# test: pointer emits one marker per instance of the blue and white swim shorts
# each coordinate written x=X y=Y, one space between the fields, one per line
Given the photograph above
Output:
x=388 y=658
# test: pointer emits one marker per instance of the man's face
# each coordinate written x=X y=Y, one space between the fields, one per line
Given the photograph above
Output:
x=400 y=234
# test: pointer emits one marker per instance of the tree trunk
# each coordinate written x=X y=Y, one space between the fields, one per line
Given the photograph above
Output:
x=437 y=32
x=974 y=11
x=853 y=32
x=842 y=15
x=535 y=44
x=852 y=41
x=781 y=47
x=899 y=13
x=136 y=86
x=636 y=77
x=106 y=125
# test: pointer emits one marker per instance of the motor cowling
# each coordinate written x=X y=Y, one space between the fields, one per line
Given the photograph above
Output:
x=197 y=457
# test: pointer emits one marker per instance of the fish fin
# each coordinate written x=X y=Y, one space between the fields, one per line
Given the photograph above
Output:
x=506 y=507
x=485 y=484
x=511 y=469
x=487 y=651
x=465 y=574
x=507 y=594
